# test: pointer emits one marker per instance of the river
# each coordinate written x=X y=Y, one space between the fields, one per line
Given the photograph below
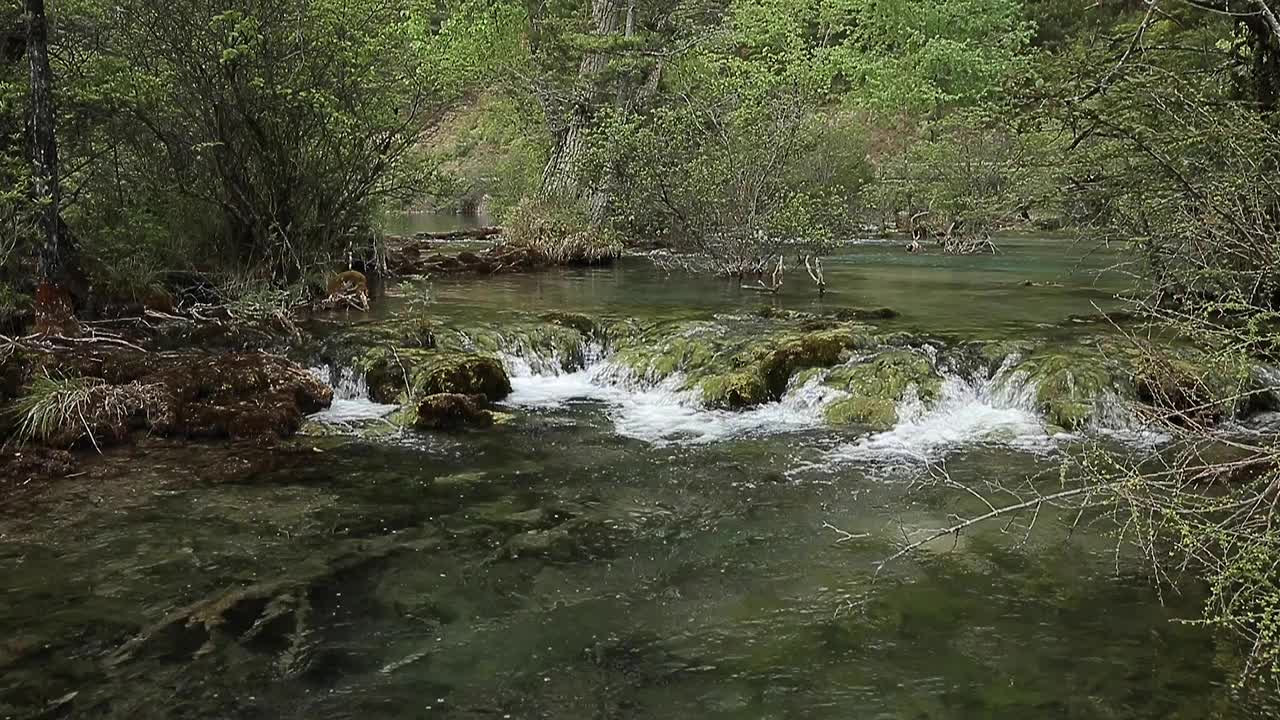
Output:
x=614 y=550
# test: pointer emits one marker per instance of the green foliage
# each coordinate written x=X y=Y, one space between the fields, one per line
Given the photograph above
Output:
x=491 y=154
x=974 y=172
x=891 y=56
x=13 y=306
x=220 y=134
x=1174 y=152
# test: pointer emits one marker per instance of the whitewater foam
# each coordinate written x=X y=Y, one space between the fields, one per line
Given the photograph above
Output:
x=999 y=410
x=663 y=413
x=351 y=404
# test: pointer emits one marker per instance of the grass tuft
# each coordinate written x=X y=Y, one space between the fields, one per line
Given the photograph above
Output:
x=61 y=410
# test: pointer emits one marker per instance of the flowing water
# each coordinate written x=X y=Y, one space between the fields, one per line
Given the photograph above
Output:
x=614 y=549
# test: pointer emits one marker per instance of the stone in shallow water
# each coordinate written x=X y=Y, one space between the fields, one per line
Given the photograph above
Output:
x=453 y=411
x=555 y=544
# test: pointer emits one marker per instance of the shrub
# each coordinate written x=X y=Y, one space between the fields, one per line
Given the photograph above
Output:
x=560 y=233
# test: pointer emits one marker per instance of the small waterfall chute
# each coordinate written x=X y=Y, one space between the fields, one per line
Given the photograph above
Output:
x=970 y=410
x=351 y=403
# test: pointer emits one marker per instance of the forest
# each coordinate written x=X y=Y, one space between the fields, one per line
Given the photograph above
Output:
x=636 y=358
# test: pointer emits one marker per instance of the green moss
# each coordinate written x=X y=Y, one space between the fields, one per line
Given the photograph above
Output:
x=665 y=349
x=818 y=349
x=584 y=324
x=13 y=307
x=876 y=413
x=464 y=375
x=993 y=354
x=431 y=372
x=877 y=387
x=1068 y=385
x=734 y=391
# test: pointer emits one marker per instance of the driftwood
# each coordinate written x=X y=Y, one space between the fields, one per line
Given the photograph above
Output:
x=487 y=232
x=951 y=238
x=775 y=281
x=275 y=613
x=815 y=274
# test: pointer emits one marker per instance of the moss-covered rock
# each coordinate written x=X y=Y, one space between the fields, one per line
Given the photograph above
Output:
x=584 y=324
x=734 y=391
x=658 y=351
x=451 y=411
x=762 y=372
x=1196 y=388
x=876 y=413
x=823 y=348
x=391 y=374
x=865 y=314
x=877 y=387
x=463 y=374
x=1068 y=386
x=737 y=362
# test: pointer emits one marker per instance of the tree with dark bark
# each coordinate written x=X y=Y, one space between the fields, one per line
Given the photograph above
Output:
x=57 y=256
x=627 y=44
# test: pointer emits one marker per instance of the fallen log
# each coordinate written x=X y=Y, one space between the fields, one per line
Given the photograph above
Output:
x=487 y=232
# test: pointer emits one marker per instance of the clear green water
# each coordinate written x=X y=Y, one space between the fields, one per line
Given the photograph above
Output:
x=552 y=568
x=979 y=295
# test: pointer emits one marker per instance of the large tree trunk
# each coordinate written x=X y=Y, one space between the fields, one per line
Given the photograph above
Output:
x=1266 y=61
x=57 y=257
x=565 y=173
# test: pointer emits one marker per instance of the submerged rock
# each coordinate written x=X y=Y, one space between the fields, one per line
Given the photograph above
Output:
x=554 y=544
x=883 y=313
x=453 y=411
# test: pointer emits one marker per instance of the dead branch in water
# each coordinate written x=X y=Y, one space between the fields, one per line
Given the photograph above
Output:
x=48 y=341
x=815 y=274
x=775 y=281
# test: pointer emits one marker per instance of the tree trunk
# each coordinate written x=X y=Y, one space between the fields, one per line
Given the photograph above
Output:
x=565 y=173
x=57 y=257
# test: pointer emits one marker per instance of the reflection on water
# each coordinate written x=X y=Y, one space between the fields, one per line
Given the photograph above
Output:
x=429 y=222
x=611 y=551
x=979 y=294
